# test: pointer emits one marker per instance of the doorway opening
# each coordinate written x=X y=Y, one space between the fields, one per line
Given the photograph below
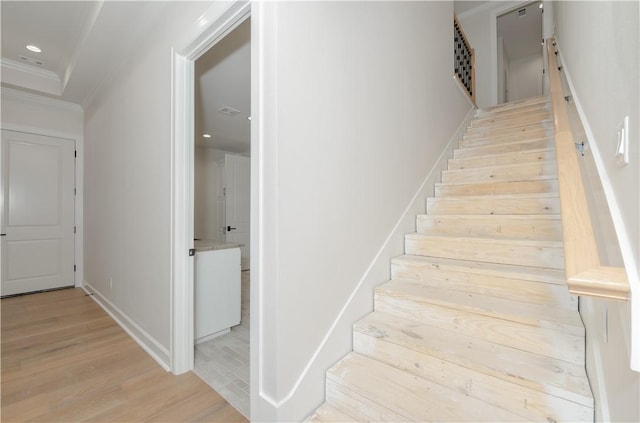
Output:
x=221 y=216
x=214 y=25
x=520 y=53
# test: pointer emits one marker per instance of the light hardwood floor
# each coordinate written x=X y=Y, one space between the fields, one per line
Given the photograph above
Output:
x=65 y=360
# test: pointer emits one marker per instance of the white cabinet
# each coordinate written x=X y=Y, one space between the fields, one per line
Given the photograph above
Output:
x=217 y=291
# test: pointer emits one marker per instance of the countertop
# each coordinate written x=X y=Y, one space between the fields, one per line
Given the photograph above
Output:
x=208 y=245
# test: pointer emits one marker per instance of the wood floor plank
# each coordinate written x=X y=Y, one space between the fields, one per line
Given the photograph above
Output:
x=65 y=359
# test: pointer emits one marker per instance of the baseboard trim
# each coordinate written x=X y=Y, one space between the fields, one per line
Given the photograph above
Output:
x=142 y=337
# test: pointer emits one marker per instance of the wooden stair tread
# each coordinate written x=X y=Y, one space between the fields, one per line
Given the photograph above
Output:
x=537 y=315
x=520 y=178
x=469 y=141
x=488 y=249
x=509 y=286
x=412 y=398
x=514 y=127
x=512 y=114
x=513 y=157
x=541 y=185
x=539 y=227
x=506 y=147
x=491 y=217
x=554 y=377
x=553 y=343
x=327 y=413
x=532 y=116
x=527 y=273
x=540 y=101
x=502 y=172
x=510 y=204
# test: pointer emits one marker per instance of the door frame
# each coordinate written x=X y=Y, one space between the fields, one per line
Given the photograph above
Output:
x=493 y=30
x=214 y=26
x=78 y=141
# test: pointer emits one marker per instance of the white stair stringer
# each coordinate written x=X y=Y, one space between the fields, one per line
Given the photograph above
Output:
x=476 y=323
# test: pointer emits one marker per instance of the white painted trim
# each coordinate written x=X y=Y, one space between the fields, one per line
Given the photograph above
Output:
x=478 y=9
x=182 y=332
x=633 y=344
x=31 y=70
x=78 y=139
x=463 y=91
x=39 y=99
x=418 y=201
x=142 y=337
x=586 y=308
x=211 y=27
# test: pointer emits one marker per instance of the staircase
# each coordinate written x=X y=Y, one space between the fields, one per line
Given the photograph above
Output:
x=477 y=323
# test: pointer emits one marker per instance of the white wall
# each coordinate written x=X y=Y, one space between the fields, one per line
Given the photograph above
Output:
x=599 y=51
x=525 y=77
x=37 y=114
x=357 y=102
x=128 y=183
x=208 y=188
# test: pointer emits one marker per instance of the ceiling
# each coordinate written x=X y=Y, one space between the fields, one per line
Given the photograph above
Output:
x=82 y=43
x=464 y=6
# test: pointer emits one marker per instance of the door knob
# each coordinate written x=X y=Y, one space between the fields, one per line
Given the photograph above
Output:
x=229 y=228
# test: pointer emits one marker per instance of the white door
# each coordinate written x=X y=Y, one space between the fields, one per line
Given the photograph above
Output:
x=38 y=175
x=237 y=177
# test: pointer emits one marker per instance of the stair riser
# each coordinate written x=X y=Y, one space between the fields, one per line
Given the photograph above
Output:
x=515 y=107
x=470 y=142
x=460 y=206
x=533 y=274
x=485 y=118
x=518 y=158
x=515 y=254
x=496 y=131
x=512 y=147
x=328 y=414
x=547 y=342
x=498 y=227
x=519 y=396
x=515 y=120
x=412 y=398
x=500 y=173
x=497 y=188
x=532 y=292
x=357 y=405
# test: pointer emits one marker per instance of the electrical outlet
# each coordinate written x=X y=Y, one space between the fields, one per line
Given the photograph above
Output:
x=622 y=146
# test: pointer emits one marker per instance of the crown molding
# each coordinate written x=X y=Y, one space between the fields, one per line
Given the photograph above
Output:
x=19 y=95
x=31 y=70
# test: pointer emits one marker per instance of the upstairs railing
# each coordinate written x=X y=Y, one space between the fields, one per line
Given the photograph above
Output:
x=584 y=271
x=463 y=61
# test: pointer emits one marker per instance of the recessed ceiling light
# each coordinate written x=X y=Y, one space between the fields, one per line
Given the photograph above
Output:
x=34 y=49
x=206 y=135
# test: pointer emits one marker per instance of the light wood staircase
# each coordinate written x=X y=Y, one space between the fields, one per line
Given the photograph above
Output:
x=476 y=323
